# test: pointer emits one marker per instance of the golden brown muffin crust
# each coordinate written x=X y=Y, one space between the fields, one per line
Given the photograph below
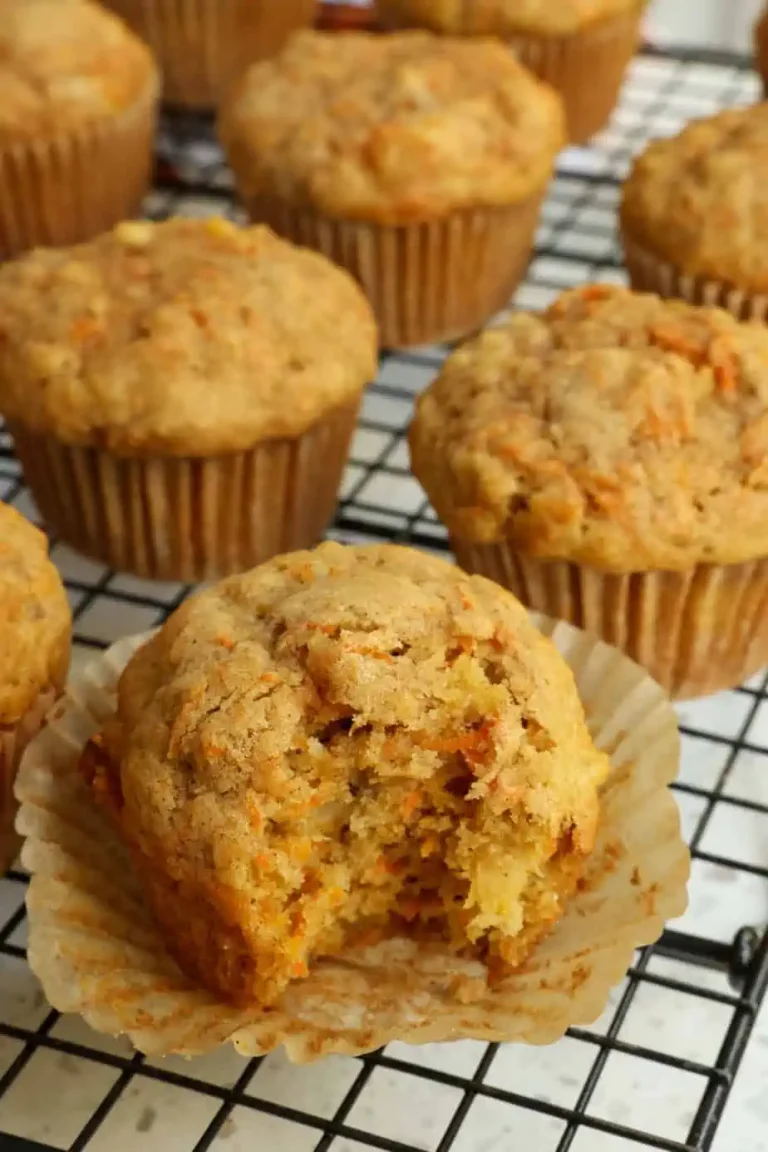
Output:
x=392 y=129
x=700 y=200
x=341 y=733
x=616 y=429
x=64 y=64
x=35 y=620
x=189 y=337
x=505 y=17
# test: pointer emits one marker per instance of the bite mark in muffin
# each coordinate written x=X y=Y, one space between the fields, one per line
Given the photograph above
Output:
x=344 y=746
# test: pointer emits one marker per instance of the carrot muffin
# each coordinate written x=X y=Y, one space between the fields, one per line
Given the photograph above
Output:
x=35 y=630
x=182 y=395
x=77 y=114
x=608 y=461
x=418 y=163
x=694 y=214
x=204 y=45
x=580 y=47
x=761 y=48
x=343 y=746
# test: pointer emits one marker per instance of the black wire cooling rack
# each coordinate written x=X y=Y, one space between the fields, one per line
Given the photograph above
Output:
x=659 y=1067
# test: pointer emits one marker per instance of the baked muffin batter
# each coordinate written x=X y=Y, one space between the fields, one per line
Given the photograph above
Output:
x=341 y=746
x=616 y=429
x=65 y=64
x=699 y=200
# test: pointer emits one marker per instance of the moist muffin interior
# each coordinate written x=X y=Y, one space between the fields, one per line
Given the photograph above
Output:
x=353 y=744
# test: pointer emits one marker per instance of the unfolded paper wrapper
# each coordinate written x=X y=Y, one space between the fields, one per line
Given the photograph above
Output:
x=97 y=952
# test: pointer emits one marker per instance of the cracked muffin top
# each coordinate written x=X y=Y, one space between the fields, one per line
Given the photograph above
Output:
x=700 y=200
x=505 y=17
x=394 y=128
x=616 y=429
x=187 y=337
x=347 y=743
x=64 y=64
x=35 y=620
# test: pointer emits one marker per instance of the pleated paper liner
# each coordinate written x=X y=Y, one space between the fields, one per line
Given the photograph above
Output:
x=189 y=518
x=14 y=739
x=202 y=46
x=587 y=67
x=649 y=273
x=96 y=951
x=696 y=632
x=427 y=282
x=73 y=186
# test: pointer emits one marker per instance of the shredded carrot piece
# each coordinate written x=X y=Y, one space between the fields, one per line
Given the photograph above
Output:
x=588 y=294
x=300 y=969
x=226 y=642
x=375 y=654
x=262 y=860
x=725 y=366
x=84 y=328
x=411 y=802
x=213 y=750
x=671 y=337
x=474 y=745
x=411 y=908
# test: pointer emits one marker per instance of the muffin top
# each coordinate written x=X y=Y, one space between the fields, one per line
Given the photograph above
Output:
x=392 y=129
x=505 y=17
x=63 y=64
x=616 y=429
x=188 y=337
x=390 y=658
x=35 y=621
x=700 y=200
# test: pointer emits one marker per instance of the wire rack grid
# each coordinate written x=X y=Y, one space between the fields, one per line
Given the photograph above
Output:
x=656 y=1071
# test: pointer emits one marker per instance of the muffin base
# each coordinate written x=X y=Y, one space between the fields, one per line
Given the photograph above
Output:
x=696 y=632
x=428 y=282
x=70 y=188
x=187 y=518
x=13 y=742
x=204 y=45
x=649 y=273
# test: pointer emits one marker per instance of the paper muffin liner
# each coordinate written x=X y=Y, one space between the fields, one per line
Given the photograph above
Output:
x=649 y=273
x=202 y=46
x=426 y=282
x=587 y=67
x=696 y=632
x=97 y=952
x=14 y=739
x=70 y=187
x=189 y=518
